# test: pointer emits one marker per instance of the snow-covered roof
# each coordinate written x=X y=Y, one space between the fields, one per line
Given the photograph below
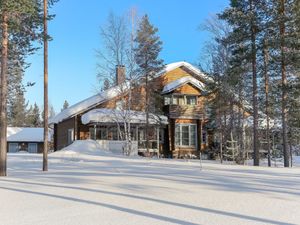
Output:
x=87 y=104
x=113 y=92
x=112 y=115
x=182 y=81
x=25 y=134
x=175 y=65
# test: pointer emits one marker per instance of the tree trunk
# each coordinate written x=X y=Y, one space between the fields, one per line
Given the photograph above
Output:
x=284 y=85
x=45 y=150
x=266 y=75
x=254 y=94
x=3 y=95
x=147 y=115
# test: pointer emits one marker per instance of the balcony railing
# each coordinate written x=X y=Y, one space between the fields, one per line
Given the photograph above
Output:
x=185 y=111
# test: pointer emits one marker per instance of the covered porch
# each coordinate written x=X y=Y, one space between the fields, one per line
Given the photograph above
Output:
x=112 y=127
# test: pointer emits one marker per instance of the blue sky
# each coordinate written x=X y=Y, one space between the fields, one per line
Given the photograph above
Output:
x=75 y=31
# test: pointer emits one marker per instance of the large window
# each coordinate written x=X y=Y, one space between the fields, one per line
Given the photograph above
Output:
x=180 y=99
x=185 y=134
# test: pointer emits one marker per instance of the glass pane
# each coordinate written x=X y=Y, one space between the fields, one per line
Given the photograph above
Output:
x=175 y=100
x=102 y=133
x=112 y=133
x=191 y=100
x=177 y=135
x=181 y=100
x=167 y=100
x=193 y=135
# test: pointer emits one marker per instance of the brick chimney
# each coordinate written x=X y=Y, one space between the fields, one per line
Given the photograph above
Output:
x=120 y=74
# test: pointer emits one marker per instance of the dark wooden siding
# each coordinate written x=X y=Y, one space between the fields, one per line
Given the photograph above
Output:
x=62 y=132
x=23 y=146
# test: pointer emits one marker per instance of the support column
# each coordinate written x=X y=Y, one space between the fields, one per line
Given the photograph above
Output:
x=55 y=137
x=199 y=135
x=171 y=134
x=157 y=136
x=75 y=128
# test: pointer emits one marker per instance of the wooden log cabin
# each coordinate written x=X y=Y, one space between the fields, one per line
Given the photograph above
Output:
x=179 y=130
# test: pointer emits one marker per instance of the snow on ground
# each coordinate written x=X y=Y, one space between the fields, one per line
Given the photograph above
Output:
x=100 y=188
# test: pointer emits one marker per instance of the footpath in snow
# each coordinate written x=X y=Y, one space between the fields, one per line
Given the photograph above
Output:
x=87 y=186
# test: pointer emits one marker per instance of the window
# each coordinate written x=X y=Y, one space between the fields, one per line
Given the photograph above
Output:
x=185 y=135
x=178 y=100
x=175 y=100
x=120 y=104
x=181 y=100
x=13 y=147
x=102 y=133
x=191 y=100
x=32 y=147
x=113 y=133
x=70 y=136
x=167 y=100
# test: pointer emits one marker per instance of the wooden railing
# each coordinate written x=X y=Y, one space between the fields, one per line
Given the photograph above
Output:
x=188 y=111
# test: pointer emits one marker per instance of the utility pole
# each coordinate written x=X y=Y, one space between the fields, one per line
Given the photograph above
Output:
x=45 y=150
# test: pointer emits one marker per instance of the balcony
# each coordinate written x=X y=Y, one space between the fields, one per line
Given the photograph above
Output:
x=185 y=111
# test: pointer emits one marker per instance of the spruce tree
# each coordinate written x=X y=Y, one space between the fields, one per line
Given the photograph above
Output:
x=147 y=58
x=36 y=116
x=65 y=105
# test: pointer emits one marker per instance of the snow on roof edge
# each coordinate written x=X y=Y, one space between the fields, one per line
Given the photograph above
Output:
x=182 y=81
x=26 y=134
x=171 y=66
x=112 y=92
x=86 y=104
x=119 y=116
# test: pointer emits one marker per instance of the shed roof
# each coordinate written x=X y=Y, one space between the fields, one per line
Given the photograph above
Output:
x=25 y=134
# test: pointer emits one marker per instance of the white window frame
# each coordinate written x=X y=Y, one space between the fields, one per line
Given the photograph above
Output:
x=191 y=96
x=70 y=136
x=180 y=125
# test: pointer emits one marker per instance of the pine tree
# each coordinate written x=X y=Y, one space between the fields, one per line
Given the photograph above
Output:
x=147 y=52
x=283 y=38
x=65 y=105
x=245 y=19
x=21 y=22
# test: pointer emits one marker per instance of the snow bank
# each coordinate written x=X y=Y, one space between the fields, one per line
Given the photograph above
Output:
x=79 y=149
x=85 y=149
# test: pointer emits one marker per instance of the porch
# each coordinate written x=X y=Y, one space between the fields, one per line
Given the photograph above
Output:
x=115 y=129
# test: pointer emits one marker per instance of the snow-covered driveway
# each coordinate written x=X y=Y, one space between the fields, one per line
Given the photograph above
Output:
x=107 y=189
